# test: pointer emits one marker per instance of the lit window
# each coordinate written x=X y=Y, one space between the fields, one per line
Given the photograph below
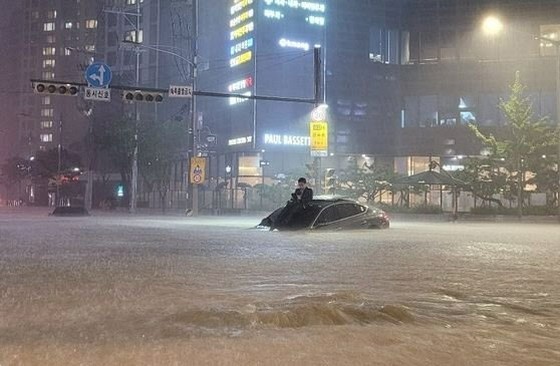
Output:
x=51 y=14
x=42 y=148
x=90 y=48
x=68 y=25
x=551 y=32
x=48 y=27
x=49 y=51
x=46 y=137
x=130 y=36
x=45 y=125
x=132 y=2
x=48 y=75
x=91 y=24
x=67 y=52
x=48 y=63
x=47 y=112
x=46 y=100
x=51 y=39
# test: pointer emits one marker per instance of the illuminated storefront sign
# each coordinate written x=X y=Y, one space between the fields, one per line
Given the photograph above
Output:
x=241 y=59
x=273 y=14
x=313 y=20
x=286 y=140
x=296 y=4
x=238 y=100
x=240 y=5
x=242 y=46
x=241 y=84
x=286 y=43
x=319 y=132
x=240 y=141
x=242 y=31
x=241 y=18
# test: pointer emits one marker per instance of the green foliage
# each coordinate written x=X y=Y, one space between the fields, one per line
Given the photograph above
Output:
x=159 y=147
x=417 y=209
x=13 y=171
x=366 y=182
x=45 y=164
x=518 y=149
x=530 y=210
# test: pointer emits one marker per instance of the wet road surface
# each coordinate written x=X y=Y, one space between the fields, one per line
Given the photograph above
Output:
x=143 y=291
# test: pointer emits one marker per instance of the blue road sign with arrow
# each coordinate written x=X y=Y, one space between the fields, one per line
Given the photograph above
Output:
x=98 y=75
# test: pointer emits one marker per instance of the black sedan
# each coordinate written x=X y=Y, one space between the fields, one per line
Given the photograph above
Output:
x=329 y=214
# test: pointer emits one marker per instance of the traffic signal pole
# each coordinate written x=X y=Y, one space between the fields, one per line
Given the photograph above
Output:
x=194 y=112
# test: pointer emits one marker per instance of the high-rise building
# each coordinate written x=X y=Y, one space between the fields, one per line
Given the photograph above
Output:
x=53 y=40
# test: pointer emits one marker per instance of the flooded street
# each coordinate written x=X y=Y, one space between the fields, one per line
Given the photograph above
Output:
x=181 y=291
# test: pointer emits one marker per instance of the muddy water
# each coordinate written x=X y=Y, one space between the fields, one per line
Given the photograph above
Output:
x=123 y=291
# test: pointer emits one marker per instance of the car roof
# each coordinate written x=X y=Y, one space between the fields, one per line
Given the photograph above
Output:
x=327 y=200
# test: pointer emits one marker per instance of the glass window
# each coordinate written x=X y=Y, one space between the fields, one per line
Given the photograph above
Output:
x=488 y=111
x=428 y=111
x=91 y=24
x=67 y=52
x=48 y=75
x=48 y=63
x=49 y=51
x=47 y=112
x=46 y=100
x=349 y=210
x=48 y=27
x=46 y=124
x=411 y=112
x=51 y=14
x=330 y=214
x=46 y=137
x=553 y=32
x=131 y=36
x=68 y=25
x=448 y=110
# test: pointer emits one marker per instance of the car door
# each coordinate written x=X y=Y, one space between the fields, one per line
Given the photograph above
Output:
x=351 y=216
x=327 y=218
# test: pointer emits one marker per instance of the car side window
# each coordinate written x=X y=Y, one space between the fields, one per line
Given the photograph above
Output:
x=348 y=210
x=328 y=215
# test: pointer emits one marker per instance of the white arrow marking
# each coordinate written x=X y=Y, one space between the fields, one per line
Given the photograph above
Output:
x=101 y=76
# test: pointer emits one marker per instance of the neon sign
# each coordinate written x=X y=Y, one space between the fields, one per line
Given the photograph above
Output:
x=286 y=43
x=241 y=18
x=241 y=84
x=242 y=31
x=241 y=59
x=240 y=5
x=240 y=141
x=287 y=140
x=296 y=4
x=242 y=46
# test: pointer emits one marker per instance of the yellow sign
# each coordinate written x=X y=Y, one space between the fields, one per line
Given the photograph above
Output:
x=319 y=133
x=198 y=171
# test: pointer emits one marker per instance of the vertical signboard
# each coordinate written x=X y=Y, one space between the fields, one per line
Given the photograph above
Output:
x=319 y=133
x=198 y=171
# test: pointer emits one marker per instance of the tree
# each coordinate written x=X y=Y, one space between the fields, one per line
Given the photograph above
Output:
x=116 y=139
x=13 y=172
x=484 y=178
x=524 y=140
x=366 y=182
x=159 y=146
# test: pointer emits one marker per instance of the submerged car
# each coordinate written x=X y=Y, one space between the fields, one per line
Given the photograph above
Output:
x=329 y=214
x=70 y=211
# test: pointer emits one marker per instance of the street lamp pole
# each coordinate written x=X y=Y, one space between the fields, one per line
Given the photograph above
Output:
x=194 y=112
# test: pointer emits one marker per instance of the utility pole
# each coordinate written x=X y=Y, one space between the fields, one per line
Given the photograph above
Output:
x=318 y=101
x=194 y=113
x=558 y=122
x=59 y=165
x=134 y=178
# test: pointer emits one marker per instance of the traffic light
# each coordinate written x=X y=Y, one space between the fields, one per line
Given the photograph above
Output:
x=142 y=96
x=330 y=181
x=55 y=88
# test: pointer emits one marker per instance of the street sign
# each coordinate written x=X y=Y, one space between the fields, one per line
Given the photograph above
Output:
x=265 y=163
x=97 y=94
x=211 y=139
x=319 y=133
x=176 y=91
x=198 y=171
x=98 y=75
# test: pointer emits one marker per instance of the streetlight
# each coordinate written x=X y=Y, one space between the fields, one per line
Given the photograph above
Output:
x=493 y=26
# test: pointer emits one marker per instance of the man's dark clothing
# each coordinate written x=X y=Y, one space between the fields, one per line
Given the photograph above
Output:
x=301 y=199
x=303 y=196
